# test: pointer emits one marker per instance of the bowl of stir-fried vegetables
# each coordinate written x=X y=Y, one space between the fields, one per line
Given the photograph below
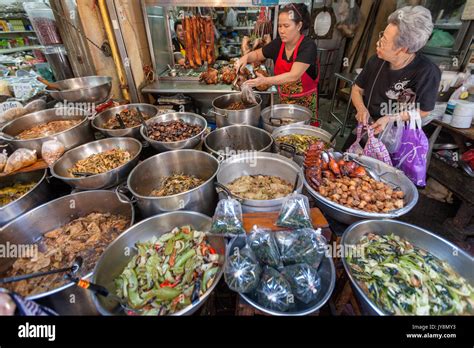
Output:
x=165 y=265
x=401 y=269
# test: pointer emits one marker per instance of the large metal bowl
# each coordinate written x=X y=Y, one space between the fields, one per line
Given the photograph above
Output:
x=114 y=260
x=187 y=117
x=225 y=117
x=70 y=138
x=99 y=181
x=348 y=215
x=280 y=115
x=326 y=271
x=89 y=89
x=101 y=119
x=38 y=195
x=30 y=227
x=260 y=163
x=147 y=176
x=458 y=259
x=232 y=140
x=288 y=151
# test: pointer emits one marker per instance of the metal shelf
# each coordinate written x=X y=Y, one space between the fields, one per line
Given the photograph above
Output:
x=239 y=12
x=16 y=32
x=20 y=49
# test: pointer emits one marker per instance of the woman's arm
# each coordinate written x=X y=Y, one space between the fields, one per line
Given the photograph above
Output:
x=254 y=56
x=362 y=115
x=297 y=70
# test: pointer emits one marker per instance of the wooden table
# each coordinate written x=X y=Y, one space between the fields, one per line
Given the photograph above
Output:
x=455 y=180
x=39 y=165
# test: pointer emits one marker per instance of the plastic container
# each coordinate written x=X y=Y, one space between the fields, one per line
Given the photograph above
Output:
x=461 y=122
x=59 y=62
x=464 y=109
x=447 y=118
x=44 y=24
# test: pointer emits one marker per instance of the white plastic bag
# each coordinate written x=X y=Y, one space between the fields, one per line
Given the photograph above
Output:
x=231 y=18
x=3 y=160
x=392 y=134
x=51 y=151
x=248 y=95
x=21 y=158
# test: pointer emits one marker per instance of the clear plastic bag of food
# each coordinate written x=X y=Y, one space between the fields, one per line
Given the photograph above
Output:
x=242 y=270
x=227 y=220
x=3 y=160
x=294 y=212
x=51 y=151
x=248 y=96
x=301 y=246
x=274 y=291
x=304 y=280
x=21 y=158
x=263 y=244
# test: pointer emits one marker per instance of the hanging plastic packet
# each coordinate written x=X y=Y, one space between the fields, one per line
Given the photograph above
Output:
x=301 y=246
x=294 y=212
x=392 y=134
x=304 y=280
x=242 y=270
x=51 y=151
x=274 y=291
x=227 y=220
x=248 y=95
x=263 y=244
x=21 y=158
x=3 y=160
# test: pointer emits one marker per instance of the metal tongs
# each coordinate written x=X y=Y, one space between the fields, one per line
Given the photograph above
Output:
x=142 y=120
x=120 y=121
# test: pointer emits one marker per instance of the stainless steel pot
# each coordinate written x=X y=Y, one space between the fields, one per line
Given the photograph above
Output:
x=114 y=260
x=458 y=259
x=101 y=119
x=89 y=89
x=224 y=117
x=28 y=228
x=326 y=271
x=260 y=163
x=147 y=176
x=70 y=138
x=229 y=141
x=38 y=195
x=288 y=150
x=113 y=177
x=389 y=174
x=280 y=115
x=187 y=117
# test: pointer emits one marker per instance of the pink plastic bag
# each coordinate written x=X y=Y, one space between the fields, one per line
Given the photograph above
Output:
x=376 y=149
x=356 y=148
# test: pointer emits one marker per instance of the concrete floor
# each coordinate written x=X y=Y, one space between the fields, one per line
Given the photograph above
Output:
x=428 y=213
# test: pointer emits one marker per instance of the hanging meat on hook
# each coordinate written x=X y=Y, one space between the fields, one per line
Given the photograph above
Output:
x=199 y=40
x=188 y=41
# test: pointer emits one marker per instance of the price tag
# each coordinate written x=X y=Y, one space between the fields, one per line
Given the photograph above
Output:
x=9 y=105
x=22 y=90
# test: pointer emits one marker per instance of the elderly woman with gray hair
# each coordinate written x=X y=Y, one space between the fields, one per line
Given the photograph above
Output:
x=398 y=77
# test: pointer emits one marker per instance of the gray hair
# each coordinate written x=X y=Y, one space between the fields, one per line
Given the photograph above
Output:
x=414 y=27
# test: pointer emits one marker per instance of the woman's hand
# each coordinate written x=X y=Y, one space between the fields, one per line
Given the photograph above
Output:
x=362 y=116
x=240 y=63
x=380 y=124
x=258 y=81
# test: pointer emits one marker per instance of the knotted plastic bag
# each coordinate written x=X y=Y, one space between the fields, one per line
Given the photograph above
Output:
x=301 y=246
x=227 y=220
x=51 y=151
x=356 y=148
x=242 y=270
x=376 y=149
x=274 y=291
x=411 y=156
x=392 y=134
x=248 y=96
x=263 y=244
x=304 y=280
x=294 y=212
x=21 y=158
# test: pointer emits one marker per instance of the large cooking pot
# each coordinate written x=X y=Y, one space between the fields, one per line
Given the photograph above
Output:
x=260 y=163
x=326 y=271
x=458 y=259
x=101 y=119
x=89 y=89
x=38 y=195
x=224 y=117
x=288 y=150
x=29 y=228
x=70 y=138
x=186 y=117
x=113 y=177
x=280 y=115
x=389 y=174
x=114 y=260
x=147 y=176
x=229 y=141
